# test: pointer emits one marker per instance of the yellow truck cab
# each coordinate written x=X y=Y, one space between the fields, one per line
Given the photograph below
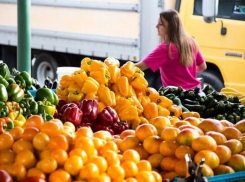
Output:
x=221 y=41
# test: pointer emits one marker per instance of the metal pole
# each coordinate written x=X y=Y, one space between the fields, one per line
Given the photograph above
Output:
x=24 y=36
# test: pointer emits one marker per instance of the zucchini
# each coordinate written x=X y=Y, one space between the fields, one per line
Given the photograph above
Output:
x=178 y=102
x=220 y=96
x=170 y=96
x=192 y=102
x=190 y=95
x=195 y=107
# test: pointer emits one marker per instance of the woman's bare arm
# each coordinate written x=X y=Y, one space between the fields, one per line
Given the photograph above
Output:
x=141 y=65
x=201 y=67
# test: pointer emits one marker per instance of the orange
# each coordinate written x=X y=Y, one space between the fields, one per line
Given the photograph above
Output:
x=40 y=141
x=110 y=145
x=89 y=171
x=192 y=120
x=211 y=125
x=104 y=135
x=25 y=158
x=157 y=176
x=111 y=157
x=51 y=128
x=21 y=144
x=98 y=143
x=182 y=150
x=60 y=155
x=168 y=148
x=47 y=165
x=168 y=163
x=155 y=160
x=84 y=132
x=73 y=165
x=169 y=133
x=29 y=133
x=58 y=141
x=7 y=156
x=130 y=179
x=101 y=179
x=232 y=133
x=16 y=132
x=85 y=143
x=80 y=153
x=144 y=176
x=152 y=144
x=145 y=130
x=126 y=133
x=207 y=171
x=192 y=127
x=141 y=151
x=144 y=165
x=60 y=175
x=160 y=122
x=223 y=169
x=116 y=172
x=181 y=168
x=6 y=141
x=34 y=121
x=237 y=162
x=130 y=168
x=35 y=172
x=129 y=142
x=203 y=142
x=44 y=154
x=181 y=123
x=131 y=155
x=240 y=126
x=18 y=171
x=234 y=145
x=211 y=158
x=186 y=136
x=70 y=136
x=100 y=162
x=218 y=137
x=224 y=153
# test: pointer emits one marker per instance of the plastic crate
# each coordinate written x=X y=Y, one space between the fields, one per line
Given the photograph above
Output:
x=33 y=92
x=228 y=177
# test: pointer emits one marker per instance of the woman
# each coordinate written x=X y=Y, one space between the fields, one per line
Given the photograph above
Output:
x=177 y=56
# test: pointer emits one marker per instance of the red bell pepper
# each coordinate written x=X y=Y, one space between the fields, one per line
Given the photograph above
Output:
x=90 y=109
x=98 y=127
x=108 y=116
x=72 y=114
x=119 y=127
x=63 y=108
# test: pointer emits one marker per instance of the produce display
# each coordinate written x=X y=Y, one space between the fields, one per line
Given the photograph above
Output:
x=104 y=123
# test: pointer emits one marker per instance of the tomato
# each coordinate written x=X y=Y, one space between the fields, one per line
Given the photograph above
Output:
x=33 y=179
x=5 y=176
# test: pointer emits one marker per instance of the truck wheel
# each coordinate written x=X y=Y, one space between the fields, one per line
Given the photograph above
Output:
x=44 y=66
x=212 y=78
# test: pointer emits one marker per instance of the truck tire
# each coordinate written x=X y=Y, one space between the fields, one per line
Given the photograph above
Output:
x=212 y=78
x=44 y=66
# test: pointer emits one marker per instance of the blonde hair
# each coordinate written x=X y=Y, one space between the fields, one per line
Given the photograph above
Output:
x=185 y=44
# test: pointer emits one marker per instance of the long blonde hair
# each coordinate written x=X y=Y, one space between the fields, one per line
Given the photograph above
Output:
x=185 y=44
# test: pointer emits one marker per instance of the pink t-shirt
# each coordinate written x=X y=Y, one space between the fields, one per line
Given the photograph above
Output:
x=172 y=72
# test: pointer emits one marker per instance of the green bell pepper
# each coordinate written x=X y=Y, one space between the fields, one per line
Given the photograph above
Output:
x=20 y=81
x=3 y=81
x=4 y=71
x=29 y=106
x=3 y=93
x=11 y=81
x=4 y=110
x=15 y=93
x=46 y=117
x=46 y=107
x=47 y=93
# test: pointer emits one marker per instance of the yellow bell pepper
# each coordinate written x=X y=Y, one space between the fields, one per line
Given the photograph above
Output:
x=79 y=77
x=90 y=86
x=152 y=93
x=96 y=65
x=75 y=96
x=190 y=114
x=106 y=96
x=91 y=96
x=114 y=88
x=135 y=102
x=136 y=122
x=65 y=81
x=139 y=71
x=63 y=97
x=74 y=87
x=122 y=84
x=122 y=103
x=102 y=75
x=128 y=69
x=128 y=113
x=111 y=61
x=164 y=101
x=175 y=110
x=131 y=91
x=144 y=100
x=101 y=106
x=162 y=111
x=150 y=110
x=114 y=73
x=85 y=64
x=139 y=82
x=62 y=90
x=17 y=118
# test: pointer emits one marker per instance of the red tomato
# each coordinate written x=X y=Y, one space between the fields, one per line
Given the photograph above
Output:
x=5 y=176
x=33 y=179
